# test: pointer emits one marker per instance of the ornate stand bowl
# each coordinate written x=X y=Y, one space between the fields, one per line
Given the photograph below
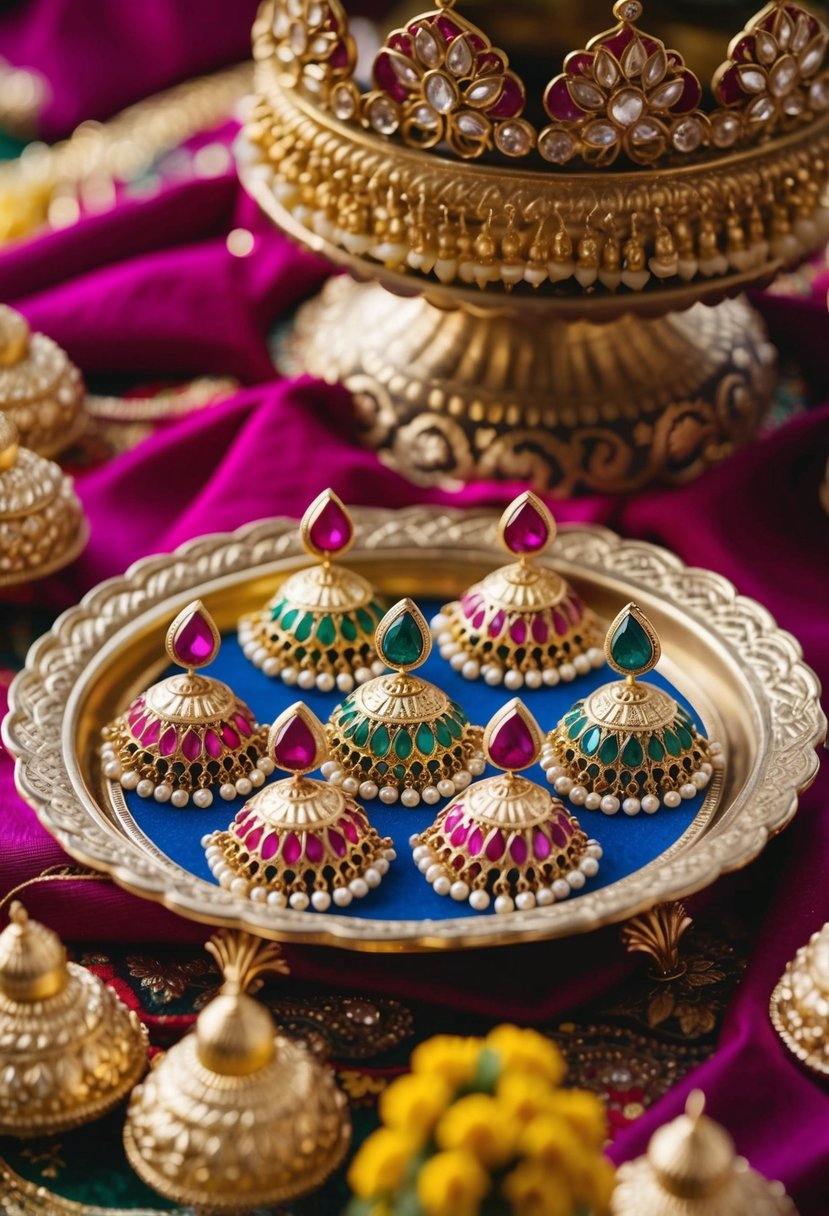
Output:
x=573 y=310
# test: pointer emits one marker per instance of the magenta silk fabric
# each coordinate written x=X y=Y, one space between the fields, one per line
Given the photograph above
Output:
x=150 y=289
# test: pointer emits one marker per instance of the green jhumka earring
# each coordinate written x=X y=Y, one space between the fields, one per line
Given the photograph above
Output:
x=629 y=746
x=398 y=736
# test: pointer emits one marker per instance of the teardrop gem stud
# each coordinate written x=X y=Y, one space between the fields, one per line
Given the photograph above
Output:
x=296 y=741
x=326 y=528
x=403 y=640
x=513 y=739
x=527 y=527
x=193 y=639
x=632 y=647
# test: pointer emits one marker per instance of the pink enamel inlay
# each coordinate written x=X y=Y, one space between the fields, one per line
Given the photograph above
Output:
x=560 y=625
x=314 y=848
x=541 y=845
x=243 y=724
x=349 y=830
x=230 y=737
x=336 y=842
x=476 y=843
x=518 y=631
x=453 y=815
x=459 y=835
x=511 y=101
x=518 y=850
x=565 y=824
x=168 y=741
x=497 y=623
x=478 y=620
x=291 y=849
x=254 y=838
x=150 y=733
x=270 y=847
x=559 y=837
x=495 y=846
x=191 y=746
x=541 y=630
x=213 y=744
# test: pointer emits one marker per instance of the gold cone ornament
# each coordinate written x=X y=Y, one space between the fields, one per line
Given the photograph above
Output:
x=691 y=1168
x=40 y=390
x=42 y=524
x=800 y=1003
x=69 y=1049
x=235 y=1116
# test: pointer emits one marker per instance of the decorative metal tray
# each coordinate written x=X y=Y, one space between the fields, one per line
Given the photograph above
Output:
x=725 y=654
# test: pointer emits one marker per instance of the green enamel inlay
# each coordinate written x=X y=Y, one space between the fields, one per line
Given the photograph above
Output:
x=672 y=743
x=403 y=644
x=277 y=608
x=576 y=728
x=609 y=750
x=399 y=771
x=442 y=735
x=591 y=741
x=326 y=632
x=366 y=620
x=361 y=733
x=632 y=753
x=655 y=749
x=630 y=646
x=378 y=610
x=289 y=618
x=303 y=630
x=348 y=629
x=573 y=714
x=453 y=726
x=380 y=741
x=684 y=737
x=403 y=744
x=425 y=740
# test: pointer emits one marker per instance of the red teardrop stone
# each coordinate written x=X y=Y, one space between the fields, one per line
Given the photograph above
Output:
x=295 y=747
x=194 y=643
x=513 y=745
x=526 y=529
x=331 y=531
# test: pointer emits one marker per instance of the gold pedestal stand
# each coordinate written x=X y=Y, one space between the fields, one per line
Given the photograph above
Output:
x=452 y=395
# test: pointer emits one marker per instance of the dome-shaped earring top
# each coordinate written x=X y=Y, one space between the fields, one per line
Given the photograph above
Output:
x=235 y=1116
x=398 y=735
x=507 y=838
x=299 y=842
x=318 y=629
x=629 y=745
x=69 y=1049
x=523 y=624
x=189 y=734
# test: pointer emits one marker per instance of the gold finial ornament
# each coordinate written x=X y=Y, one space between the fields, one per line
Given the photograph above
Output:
x=799 y=1007
x=299 y=843
x=42 y=524
x=188 y=735
x=235 y=1116
x=40 y=390
x=398 y=736
x=629 y=746
x=69 y=1049
x=523 y=624
x=317 y=631
x=691 y=1168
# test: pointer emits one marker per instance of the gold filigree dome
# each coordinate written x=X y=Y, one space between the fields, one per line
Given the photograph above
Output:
x=32 y=959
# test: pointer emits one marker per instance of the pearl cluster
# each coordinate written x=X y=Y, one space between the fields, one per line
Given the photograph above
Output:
x=319 y=900
x=443 y=882
x=306 y=678
x=409 y=797
x=164 y=791
x=494 y=673
x=564 y=785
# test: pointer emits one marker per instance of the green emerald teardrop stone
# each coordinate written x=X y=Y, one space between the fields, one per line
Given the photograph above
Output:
x=348 y=629
x=442 y=735
x=590 y=742
x=630 y=646
x=326 y=633
x=303 y=630
x=655 y=749
x=277 y=609
x=684 y=736
x=380 y=741
x=403 y=644
x=366 y=620
x=453 y=726
x=425 y=740
x=609 y=750
x=576 y=728
x=361 y=733
x=632 y=753
x=289 y=618
x=403 y=744
x=672 y=743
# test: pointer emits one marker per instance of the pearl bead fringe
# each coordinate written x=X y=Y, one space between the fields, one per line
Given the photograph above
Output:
x=303 y=677
x=493 y=673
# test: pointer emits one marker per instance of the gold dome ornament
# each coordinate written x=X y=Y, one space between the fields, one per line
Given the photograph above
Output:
x=189 y=734
x=299 y=842
x=691 y=1168
x=69 y=1049
x=235 y=1116
x=42 y=524
x=629 y=745
x=399 y=736
x=507 y=837
x=523 y=624
x=40 y=390
x=318 y=629
x=799 y=1005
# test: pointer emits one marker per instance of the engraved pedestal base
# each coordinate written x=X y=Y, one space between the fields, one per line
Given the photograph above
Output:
x=569 y=406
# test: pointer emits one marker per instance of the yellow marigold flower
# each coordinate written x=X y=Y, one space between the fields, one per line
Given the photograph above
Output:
x=521 y=1097
x=448 y=1056
x=553 y=1142
x=527 y=1051
x=584 y=1111
x=452 y=1184
x=414 y=1104
x=380 y=1164
x=602 y=1185
x=533 y=1190
x=475 y=1123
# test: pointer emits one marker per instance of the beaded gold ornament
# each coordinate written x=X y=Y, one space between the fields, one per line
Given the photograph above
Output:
x=299 y=842
x=506 y=837
x=399 y=736
x=189 y=734
x=523 y=624
x=235 y=1116
x=629 y=746
x=317 y=631
x=70 y=1050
